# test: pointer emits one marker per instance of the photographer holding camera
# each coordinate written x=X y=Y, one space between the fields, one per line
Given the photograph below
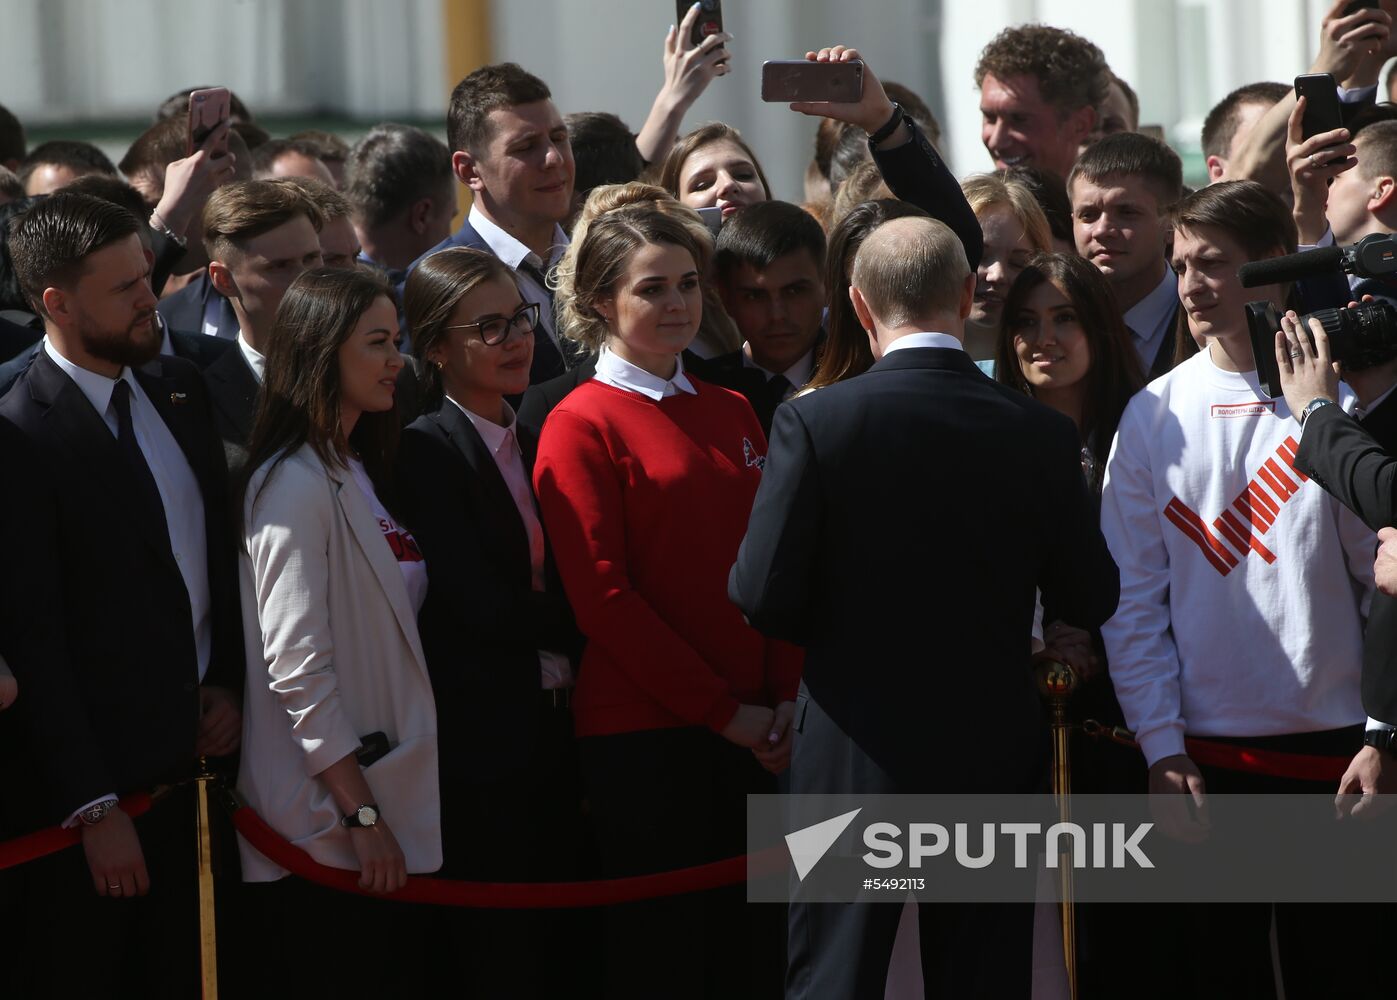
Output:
x=1345 y=190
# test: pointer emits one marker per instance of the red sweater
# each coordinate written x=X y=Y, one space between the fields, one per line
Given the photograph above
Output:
x=646 y=503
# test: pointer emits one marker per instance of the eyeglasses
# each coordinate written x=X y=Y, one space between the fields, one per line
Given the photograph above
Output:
x=496 y=330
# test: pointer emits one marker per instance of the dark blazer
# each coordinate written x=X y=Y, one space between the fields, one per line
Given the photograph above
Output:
x=110 y=701
x=15 y=339
x=548 y=361
x=483 y=623
x=233 y=393
x=916 y=173
x=184 y=310
x=731 y=372
x=1353 y=462
x=199 y=349
x=915 y=603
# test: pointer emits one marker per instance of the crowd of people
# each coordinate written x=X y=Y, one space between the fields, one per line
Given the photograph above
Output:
x=524 y=552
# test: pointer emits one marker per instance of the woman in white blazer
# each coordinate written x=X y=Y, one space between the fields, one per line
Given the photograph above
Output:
x=339 y=748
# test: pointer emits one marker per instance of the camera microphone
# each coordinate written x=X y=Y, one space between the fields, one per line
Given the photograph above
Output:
x=1291 y=267
x=1371 y=257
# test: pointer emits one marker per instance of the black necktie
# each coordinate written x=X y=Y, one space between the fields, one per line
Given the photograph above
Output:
x=570 y=351
x=776 y=388
x=131 y=452
x=536 y=273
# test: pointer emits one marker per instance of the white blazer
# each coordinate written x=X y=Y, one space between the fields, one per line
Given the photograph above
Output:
x=332 y=655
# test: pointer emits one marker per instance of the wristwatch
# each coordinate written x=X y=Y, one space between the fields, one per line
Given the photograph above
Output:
x=365 y=816
x=889 y=127
x=96 y=812
x=1313 y=405
x=1382 y=739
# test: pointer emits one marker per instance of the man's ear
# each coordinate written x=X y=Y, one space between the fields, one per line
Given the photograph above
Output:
x=1216 y=168
x=1080 y=123
x=1383 y=199
x=861 y=310
x=419 y=212
x=467 y=170
x=56 y=305
x=967 y=295
x=222 y=280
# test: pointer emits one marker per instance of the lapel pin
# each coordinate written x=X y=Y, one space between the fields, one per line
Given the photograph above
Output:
x=177 y=397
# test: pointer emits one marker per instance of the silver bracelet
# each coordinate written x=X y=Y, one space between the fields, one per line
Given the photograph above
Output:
x=158 y=224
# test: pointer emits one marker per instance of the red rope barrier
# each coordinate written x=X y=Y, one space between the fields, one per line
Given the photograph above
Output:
x=1272 y=763
x=510 y=895
x=33 y=846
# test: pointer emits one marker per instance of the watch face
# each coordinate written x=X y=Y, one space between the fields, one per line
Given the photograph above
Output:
x=367 y=815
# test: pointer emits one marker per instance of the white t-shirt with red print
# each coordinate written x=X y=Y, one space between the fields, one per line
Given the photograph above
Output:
x=399 y=539
x=1243 y=584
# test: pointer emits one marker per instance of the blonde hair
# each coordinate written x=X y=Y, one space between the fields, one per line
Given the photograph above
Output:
x=579 y=323
x=985 y=191
x=865 y=183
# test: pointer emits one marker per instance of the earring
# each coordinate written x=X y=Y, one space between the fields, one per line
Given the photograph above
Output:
x=439 y=365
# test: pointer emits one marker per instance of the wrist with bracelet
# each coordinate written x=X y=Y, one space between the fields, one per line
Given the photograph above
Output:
x=1313 y=405
x=889 y=127
x=159 y=225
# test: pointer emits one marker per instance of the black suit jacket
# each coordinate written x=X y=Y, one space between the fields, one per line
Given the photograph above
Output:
x=15 y=339
x=233 y=392
x=184 y=310
x=1353 y=461
x=109 y=676
x=892 y=537
x=483 y=623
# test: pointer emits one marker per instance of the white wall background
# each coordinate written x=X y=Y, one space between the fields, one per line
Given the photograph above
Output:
x=85 y=60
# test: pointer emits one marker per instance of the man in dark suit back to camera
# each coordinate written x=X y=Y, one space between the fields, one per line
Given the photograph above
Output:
x=891 y=537
x=127 y=640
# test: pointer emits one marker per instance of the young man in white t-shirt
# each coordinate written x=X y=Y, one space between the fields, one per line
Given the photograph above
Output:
x=1243 y=585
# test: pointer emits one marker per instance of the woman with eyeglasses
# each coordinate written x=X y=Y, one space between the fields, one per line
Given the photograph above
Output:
x=499 y=639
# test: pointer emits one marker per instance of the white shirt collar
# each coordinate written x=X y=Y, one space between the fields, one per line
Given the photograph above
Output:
x=1147 y=316
x=614 y=370
x=97 y=388
x=910 y=340
x=510 y=250
x=797 y=374
x=490 y=432
x=255 y=360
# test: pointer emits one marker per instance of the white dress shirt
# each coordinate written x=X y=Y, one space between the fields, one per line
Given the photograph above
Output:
x=797 y=374
x=911 y=340
x=513 y=253
x=1152 y=318
x=179 y=493
x=255 y=360
x=616 y=371
x=503 y=446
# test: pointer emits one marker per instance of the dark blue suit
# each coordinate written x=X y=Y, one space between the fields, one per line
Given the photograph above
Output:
x=184 y=310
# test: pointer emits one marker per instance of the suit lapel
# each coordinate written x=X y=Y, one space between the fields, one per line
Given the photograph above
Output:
x=233 y=387
x=364 y=526
x=93 y=449
x=509 y=531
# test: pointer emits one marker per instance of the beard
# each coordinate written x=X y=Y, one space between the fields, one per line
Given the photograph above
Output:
x=130 y=347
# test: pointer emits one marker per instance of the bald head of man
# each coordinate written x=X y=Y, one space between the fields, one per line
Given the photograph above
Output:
x=911 y=275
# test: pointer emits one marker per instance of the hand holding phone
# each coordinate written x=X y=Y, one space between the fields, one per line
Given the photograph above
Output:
x=1323 y=112
x=812 y=82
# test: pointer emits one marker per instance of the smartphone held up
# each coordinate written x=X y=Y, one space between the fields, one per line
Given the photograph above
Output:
x=207 y=110
x=791 y=80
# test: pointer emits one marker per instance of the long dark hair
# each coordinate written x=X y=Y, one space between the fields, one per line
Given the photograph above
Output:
x=846 y=352
x=300 y=398
x=1114 y=375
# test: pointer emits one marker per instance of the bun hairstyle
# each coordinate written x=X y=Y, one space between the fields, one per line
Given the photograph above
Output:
x=616 y=220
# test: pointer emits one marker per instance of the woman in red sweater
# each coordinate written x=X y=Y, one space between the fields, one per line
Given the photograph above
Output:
x=646 y=476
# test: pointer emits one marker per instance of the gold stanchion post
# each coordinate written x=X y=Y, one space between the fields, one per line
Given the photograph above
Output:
x=1059 y=681
x=208 y=936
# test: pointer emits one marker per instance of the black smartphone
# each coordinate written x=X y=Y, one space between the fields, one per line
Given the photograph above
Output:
x=1322 y=110
x=801 y=80
x=372 y=748
x=710 y=18
x=1358 y=5
x=712 y=218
